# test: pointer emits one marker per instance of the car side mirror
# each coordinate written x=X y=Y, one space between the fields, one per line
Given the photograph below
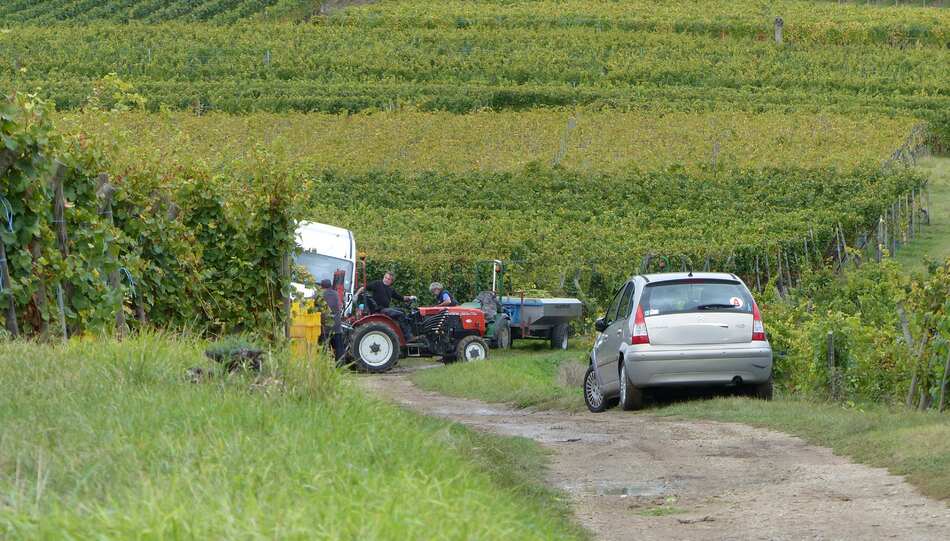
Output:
x=600 y=324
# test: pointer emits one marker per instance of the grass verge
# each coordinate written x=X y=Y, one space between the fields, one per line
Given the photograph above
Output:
x=934 y=240
x=112 y=441
x=529 y=375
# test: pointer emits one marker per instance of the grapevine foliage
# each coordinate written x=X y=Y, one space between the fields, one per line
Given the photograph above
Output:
x=203 y=251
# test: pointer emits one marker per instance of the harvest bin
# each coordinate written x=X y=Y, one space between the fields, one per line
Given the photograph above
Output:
x=545 y=318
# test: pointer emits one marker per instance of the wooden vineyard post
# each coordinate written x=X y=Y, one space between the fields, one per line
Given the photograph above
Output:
x=285 y=274
x=39 y=296
x=136 y=298
x=895 y=229
x=915 y=353
x=105 y=191
x=781 y=278
x=5 y=282
x=758 y=279
x=838 y=251
x=913 y=211
x=899 y=219
x=12 y=327
x=843 y=257
x=943 y=383
x=140 y=310
x=64 y=292
x=832 y=377
x=788 y=273
x=880 y=238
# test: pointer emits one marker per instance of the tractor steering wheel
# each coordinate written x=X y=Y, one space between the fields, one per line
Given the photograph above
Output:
x=367 y=300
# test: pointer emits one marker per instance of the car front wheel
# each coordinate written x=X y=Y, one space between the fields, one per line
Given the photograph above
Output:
x=631 y=397
x=593 y=397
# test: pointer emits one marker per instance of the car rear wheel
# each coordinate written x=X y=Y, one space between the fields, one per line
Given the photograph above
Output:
x=593 y=397
x=375 y=348
x=762 y=391
x=631 y=397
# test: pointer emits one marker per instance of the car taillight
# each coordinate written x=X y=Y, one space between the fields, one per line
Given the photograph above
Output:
x=758 y=329
x=640 y=334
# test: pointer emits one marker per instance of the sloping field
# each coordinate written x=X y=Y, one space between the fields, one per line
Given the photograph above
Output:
x=440 y=142
x=463 y=56
x=582 y=195
x=593 y=133
x=147 y=11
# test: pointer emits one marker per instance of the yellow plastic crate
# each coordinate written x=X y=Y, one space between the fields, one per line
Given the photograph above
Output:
x=305 y=328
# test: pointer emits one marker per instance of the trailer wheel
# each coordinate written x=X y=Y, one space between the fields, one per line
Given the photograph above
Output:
x=375 y=348
x=559 y=335
x=471 y=348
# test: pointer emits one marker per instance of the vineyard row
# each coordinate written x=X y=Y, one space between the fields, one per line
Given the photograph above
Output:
x=592 y=141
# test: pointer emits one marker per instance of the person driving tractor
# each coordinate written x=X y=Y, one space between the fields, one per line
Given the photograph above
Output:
x=442 y=297
x=382 y=293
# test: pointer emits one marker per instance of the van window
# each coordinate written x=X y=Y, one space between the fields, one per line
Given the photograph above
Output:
x=322 y=267
x=695 y=295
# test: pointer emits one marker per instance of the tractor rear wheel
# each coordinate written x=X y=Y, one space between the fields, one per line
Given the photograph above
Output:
x=375 y=348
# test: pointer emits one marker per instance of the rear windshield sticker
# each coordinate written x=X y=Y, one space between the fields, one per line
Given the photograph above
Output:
x=736 y=301
x=653 y=312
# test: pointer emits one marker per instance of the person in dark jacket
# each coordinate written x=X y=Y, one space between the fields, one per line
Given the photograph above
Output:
x=332 y=299
x=383 y=292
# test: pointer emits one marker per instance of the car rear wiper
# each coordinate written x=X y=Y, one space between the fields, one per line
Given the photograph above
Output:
x=715 y=306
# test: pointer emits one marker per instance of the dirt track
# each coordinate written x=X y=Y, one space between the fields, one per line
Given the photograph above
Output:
x=715 y=480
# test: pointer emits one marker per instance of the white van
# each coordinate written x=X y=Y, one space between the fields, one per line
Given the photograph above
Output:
x=324 y=250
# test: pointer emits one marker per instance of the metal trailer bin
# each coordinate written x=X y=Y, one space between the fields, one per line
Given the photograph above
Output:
x=544 y=318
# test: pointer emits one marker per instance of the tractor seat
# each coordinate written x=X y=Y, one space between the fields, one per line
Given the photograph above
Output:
x=488 y=302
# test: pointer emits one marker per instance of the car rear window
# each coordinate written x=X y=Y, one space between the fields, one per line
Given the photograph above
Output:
x=695 y=295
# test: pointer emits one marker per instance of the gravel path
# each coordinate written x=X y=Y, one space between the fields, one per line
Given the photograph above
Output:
x=636 y=476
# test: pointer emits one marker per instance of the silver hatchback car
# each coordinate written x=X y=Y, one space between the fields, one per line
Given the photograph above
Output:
x=678 y=329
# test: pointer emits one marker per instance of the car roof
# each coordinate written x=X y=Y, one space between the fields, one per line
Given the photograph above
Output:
x=670 y=276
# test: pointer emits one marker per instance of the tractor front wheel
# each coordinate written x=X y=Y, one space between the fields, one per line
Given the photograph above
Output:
x=471 y=348
x=375 y=348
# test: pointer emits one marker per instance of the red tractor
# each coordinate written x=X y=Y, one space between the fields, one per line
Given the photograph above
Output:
x=376 y=340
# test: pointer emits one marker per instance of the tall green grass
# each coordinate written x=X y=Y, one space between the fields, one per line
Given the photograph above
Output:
x=112 y=441
x=530 y=375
